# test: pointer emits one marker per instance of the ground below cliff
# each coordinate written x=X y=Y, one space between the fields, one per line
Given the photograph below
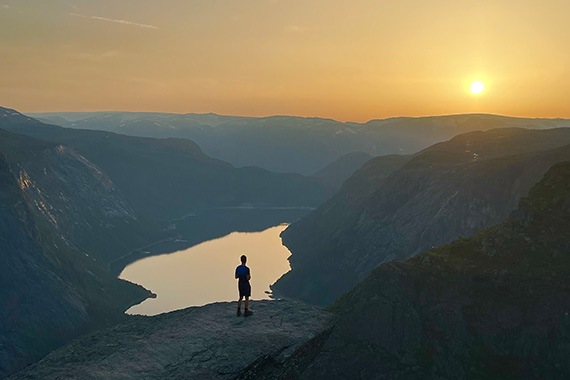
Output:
x=208 y=342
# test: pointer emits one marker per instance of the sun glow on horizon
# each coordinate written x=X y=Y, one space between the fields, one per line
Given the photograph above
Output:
x=327 y=58
x=477 y=87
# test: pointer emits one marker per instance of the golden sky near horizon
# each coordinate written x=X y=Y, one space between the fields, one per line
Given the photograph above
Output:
x=348 y=60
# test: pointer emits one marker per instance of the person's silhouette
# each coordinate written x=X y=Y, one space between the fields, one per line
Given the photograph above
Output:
x=243 y=275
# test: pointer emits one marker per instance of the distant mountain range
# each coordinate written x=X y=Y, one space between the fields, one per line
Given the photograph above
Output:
x=169 y=178
x=450 y=189
x=293 y=144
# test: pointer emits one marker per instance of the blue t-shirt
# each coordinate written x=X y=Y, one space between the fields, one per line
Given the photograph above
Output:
x=242 y=272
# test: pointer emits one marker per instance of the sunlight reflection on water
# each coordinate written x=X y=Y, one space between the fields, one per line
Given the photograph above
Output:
x=205 y=273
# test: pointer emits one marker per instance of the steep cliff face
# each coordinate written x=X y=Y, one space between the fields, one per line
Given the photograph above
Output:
x=449 y=190
x=493 y=306
x=50 y=291
x=77 y=201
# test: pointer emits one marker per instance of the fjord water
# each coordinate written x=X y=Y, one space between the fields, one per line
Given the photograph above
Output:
x=204 y=273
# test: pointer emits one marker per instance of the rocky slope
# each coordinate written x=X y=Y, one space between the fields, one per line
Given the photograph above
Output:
x=169 y=178
x=451 y=189
x=207 y=342
x=51 y=292
x=492 y=306
x=293 y=144
x=78 y=201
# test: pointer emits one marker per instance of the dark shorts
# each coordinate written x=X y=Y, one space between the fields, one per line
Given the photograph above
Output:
x=244 y=289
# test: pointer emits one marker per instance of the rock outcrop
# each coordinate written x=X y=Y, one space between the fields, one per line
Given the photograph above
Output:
x=208 y=342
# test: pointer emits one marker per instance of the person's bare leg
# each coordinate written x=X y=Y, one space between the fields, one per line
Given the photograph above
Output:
x=239 y=306
x=247 y=312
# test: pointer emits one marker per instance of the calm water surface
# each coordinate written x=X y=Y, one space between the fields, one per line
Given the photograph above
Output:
x=205 y=273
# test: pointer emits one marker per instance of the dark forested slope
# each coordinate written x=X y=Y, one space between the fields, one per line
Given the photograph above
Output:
x=451 y=189
x=493 y=306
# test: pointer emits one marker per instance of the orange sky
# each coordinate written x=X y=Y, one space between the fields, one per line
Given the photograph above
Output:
x=348 y=60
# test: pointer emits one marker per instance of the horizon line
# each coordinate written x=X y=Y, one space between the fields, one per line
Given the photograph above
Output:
x=302 y=117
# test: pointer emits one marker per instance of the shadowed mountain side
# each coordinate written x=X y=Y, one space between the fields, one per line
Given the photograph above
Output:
x=493 y=306
x=50 y=292
x=449 y=190
x=338 y=171
x=207 y=342
x=81 y=204
x=169 y=178
x=268 y=142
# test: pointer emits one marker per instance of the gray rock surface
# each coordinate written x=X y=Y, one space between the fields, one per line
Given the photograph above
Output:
x=208 y=342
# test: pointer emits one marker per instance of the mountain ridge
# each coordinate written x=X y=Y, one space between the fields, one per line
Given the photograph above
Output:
x=169 y=178
x=443 y=192
x=268 y=142
x=493 y=305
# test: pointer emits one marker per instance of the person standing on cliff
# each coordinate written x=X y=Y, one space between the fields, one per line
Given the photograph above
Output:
x=243 y=275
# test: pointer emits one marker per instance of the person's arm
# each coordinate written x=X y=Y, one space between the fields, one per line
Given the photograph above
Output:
x=236 y=273
x=248 y=274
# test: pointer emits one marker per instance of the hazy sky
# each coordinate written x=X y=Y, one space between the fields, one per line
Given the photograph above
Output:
x=348 y=60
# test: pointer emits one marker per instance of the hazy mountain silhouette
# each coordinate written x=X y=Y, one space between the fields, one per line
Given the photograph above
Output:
x=293 y=144
x=451 y=189
x=169 y=178
x=338 y=171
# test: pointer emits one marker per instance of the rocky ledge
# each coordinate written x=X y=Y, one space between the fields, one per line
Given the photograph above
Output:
x=208 y=342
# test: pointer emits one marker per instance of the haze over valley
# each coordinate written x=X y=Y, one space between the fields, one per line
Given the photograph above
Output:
x=111 y=201
x=284 y=190
x=270 y=142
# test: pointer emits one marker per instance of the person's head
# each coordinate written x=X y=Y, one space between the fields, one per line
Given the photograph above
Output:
x=243 y=259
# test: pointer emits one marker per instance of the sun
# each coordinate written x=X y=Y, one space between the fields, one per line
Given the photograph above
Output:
x=477 y=87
